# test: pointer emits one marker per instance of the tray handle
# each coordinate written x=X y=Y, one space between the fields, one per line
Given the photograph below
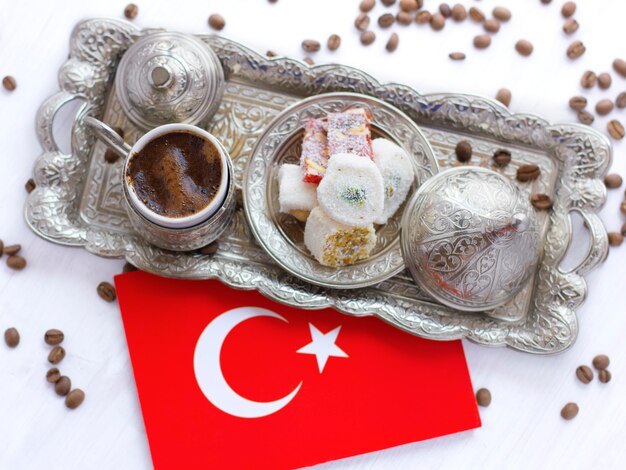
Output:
x=598 y=246
x=45 y=119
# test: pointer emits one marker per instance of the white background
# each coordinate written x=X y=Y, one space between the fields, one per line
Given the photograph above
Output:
x=522 y=427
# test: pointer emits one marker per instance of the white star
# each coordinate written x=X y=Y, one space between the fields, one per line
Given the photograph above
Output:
x=323 y=346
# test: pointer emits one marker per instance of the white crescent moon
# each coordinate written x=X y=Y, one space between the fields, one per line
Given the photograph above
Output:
x=208 y=370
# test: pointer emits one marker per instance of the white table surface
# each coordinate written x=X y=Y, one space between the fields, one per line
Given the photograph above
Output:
x=521 y=429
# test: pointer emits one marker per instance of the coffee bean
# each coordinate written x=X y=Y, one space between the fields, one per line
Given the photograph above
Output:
x=623 y=230
x=588 y=80
x=308 y=60
x=463 y=151
x=619 y=65
x=569 y=411
x=568 y=9
x=110 y=156
x=1 y=248
x=570 y=26
x=615 y=238
x=524 y=47
x=63 y=386
x=504 y=96
x=12 y=337
x=575 y=50
x=622 y=207
x=459 y=13
x=491 y=25
x=386 y=20
x=311 y=45
x=483 y=397
x=53 y=337
x=128 y=268
x=437 y=22
x=333 y=43
x=362 y=22
x=271 y=53
x=12 y=249
x=613 y=181
x=482 y=41
x=53 y=375
x=541 y=202
x=404 y=18
x=604 y=80
x=392 y=44
x=388 y=3
x=408 y=5
x=528 y=172
x=74 y=399
x=367 y=38
x=423 y=17
x=30 y=186
x=585 y=117
x=56 y=355
x=9 y=83
x=16 y=262
x=445 y=10
x=615 y=129
x=501 y=158
x=501 y=13
x=367 y=5
x=217 y=22
x=106 y=291
x=584 y=374
x=604 y=376
x=578 y=103
x=457 y=56
x=620 y=101
x=476 y=14
x=604 y=107
x=130 y=11
x=546 y=2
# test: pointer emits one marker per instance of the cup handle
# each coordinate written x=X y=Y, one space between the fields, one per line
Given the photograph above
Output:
x=108 y=136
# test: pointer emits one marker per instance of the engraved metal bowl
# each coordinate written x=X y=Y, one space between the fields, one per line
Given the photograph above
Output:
x=169 y=77
x=470 y=238
x=282 y=235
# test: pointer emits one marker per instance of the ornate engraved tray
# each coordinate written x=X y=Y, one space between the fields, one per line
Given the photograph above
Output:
x=78 y=197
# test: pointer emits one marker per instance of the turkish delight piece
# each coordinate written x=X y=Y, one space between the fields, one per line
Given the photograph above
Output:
x=314 y=157
x=293 y=193
x=349 y=132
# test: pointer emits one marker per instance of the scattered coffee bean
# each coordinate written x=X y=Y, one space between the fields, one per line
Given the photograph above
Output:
x=110 y=156
x=392 y=44
x=482 y=41
x=569 y=411
x=501 y=13
x=63 y=386
x=588 y=80
x=620 y=101
x=53 y=375
x=501 y=158
x=613 y=181
x=604 y=376
x=619 y=65
x=457 y=56
x=16 y=262
x=568 y=9
x=528 y=172
x=362 y=22
x=604 y=80
x=623 y=230
x=570 y=26
x=615 y=129
x=524 y=47
x=504 y=96
x=408 y=5
x=1 y=247
x=437 y=22
x=578 y=103
x=584 y=374
x=9 y=83
x=56 y=355
x=423 y=17
x=388 y=3
x=615 y=238
x=546 y=2
x=575 y=50
x=74 y=399
x=541 y=202
x=604 y=107
x=30 y=185
x=12 y=337
x=622 y=207
x=445 y=10
x=333 y=43
x=463 y=151
x=53 y=337
x=131 y=11
x=271 y=53
x=404 y=18
x=367 y=38
x=476 y=14
x=491 y=25
x=307 y=60
x=12 y=249
x=483 y=397
x=106 y=291
x=585 y=117
x=128 y=268
x=311 y=45
x=459 y=13
x=217 y=22
x=367 y=5
x=386 y=20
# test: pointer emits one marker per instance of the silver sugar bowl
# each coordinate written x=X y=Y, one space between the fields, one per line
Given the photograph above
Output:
x=470 y=238
x=168 y=77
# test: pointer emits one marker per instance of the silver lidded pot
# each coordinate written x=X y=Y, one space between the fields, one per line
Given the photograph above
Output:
x=470 y=238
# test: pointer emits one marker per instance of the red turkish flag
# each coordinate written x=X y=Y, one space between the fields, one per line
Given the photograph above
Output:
x=230 y=379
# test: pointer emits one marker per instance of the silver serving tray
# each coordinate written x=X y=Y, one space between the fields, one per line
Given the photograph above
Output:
x=78 y=197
